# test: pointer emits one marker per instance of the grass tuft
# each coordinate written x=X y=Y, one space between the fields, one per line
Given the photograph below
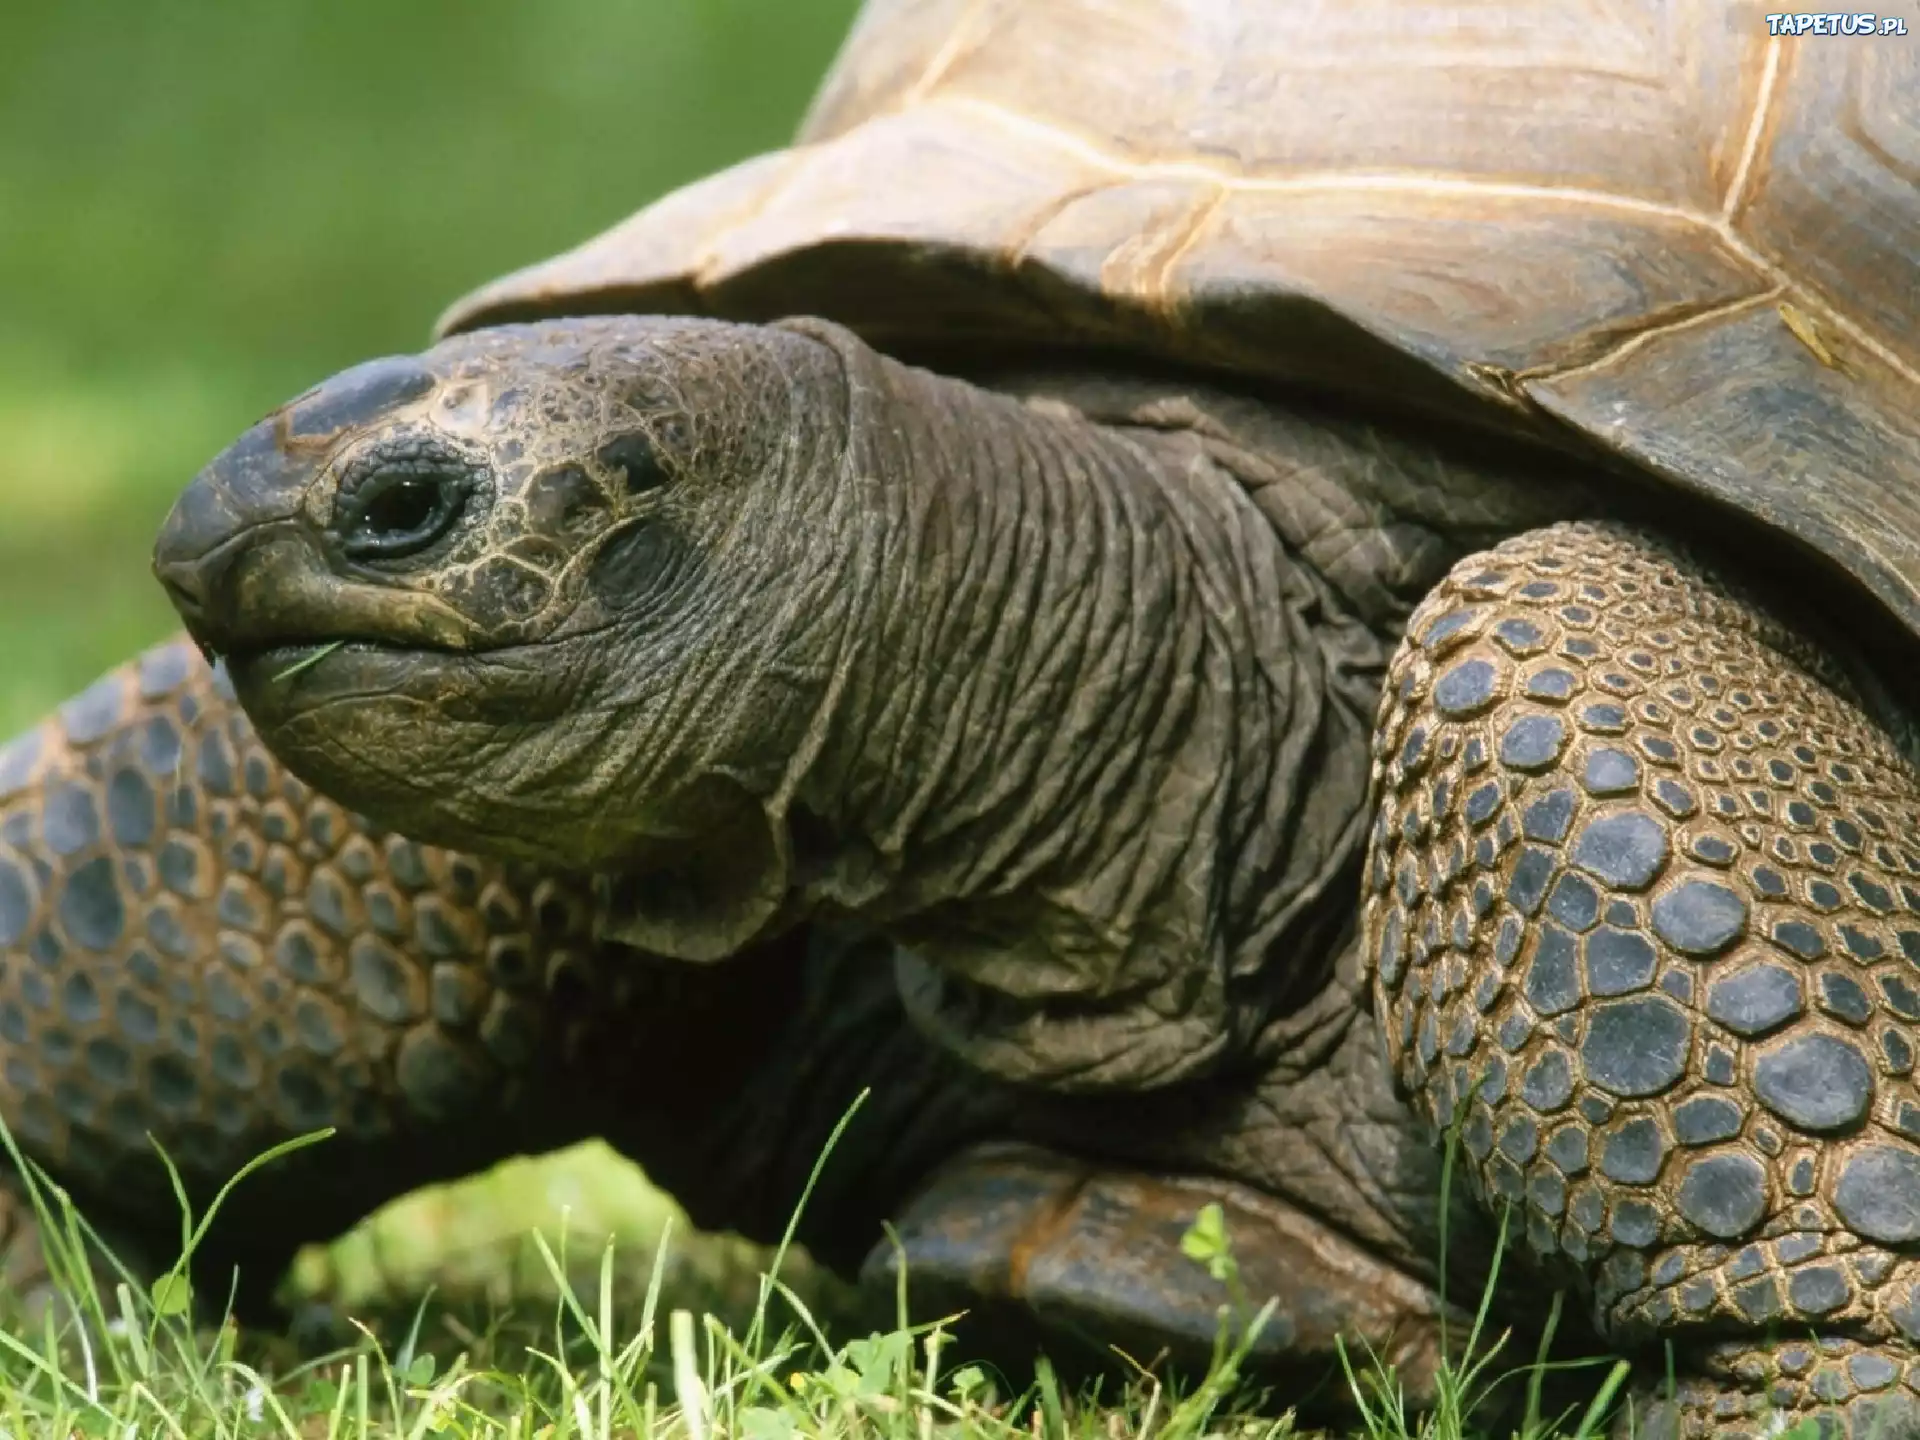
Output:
x=101 y=1355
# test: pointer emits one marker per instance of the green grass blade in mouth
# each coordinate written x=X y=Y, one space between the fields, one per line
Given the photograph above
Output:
x=311 y=660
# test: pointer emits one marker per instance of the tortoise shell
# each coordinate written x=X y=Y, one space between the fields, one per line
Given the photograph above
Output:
x=1649 y=228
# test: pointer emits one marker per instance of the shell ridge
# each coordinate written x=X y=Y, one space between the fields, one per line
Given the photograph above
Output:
x=1231 y=180
x=1763 y=107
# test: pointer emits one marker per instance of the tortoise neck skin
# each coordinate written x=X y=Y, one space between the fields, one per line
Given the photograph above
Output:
x=756 y=624
x=1084 y=764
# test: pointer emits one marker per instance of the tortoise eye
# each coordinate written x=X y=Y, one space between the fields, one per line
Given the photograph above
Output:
x=400 y=513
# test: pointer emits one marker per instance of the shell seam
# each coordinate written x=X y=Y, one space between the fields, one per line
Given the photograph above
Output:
x=1719 y=226
x=1549 y=373
x=969 y=34
x=1756 y=129
x=1201 y=215
x=699 y=273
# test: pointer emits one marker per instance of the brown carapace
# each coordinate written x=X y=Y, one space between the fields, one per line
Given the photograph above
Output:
x=1303 y=592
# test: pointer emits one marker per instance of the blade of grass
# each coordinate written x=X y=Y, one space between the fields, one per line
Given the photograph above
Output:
x=1609 y=1387
x=758 y=1326
x=1530 y=1422
x=310 y=661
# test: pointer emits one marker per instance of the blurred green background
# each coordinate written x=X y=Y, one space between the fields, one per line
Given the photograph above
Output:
x=206 y=207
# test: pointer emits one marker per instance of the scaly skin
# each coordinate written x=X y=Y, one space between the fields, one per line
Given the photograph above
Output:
x=1644 y=911
x=723 y=1081
x=199 y=949
x=1077 y=708
x=357 y=952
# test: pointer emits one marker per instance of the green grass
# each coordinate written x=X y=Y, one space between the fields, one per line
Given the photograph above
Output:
x=585 y=1343
x=118 y=1355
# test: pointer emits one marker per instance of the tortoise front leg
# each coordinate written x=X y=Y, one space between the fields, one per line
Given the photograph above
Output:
x=194 y=947
x=1644 y=909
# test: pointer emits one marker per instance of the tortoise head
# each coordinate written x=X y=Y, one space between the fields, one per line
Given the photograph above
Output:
x=526 y=591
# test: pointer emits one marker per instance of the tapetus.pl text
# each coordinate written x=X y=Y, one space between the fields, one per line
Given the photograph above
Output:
x=1834 y=22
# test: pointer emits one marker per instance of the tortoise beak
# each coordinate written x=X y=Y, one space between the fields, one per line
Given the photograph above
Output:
x=249 y=584
x=214 y=533
x=248 y=570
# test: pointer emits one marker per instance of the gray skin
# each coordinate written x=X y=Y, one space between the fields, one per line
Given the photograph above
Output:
x=761 y=627
x=1065 y=686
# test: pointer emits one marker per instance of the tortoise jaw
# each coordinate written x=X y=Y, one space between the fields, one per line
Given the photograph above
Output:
x=281 y=661
x=268 y=591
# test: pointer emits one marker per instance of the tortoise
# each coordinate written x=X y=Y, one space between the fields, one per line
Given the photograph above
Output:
x=1194 y=654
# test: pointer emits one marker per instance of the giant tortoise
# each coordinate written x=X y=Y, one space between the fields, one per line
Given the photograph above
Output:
x=1213 y=599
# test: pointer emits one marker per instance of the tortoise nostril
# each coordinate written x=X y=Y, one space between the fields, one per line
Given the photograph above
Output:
x=184 y=590
x=396 y=514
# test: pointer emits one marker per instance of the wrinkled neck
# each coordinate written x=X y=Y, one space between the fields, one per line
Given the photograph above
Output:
x=1085 y=761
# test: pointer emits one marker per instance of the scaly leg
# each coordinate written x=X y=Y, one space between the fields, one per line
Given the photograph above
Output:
x=1643 y=903
x=194 y=947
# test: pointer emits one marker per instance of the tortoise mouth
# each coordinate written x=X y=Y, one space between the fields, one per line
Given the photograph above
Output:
x=282 y=680
x=280 y=660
